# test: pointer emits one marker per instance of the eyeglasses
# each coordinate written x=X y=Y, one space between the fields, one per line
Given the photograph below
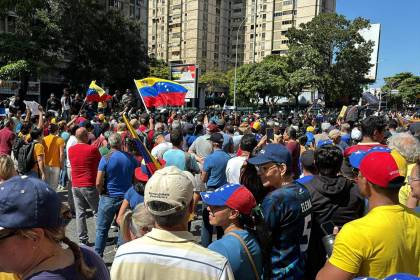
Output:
x=7 y=234
x=264 y=168
x=412 y=179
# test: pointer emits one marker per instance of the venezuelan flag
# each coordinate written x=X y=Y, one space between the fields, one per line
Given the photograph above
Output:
x=157 y=92
x=151 y=163
x=96 y=93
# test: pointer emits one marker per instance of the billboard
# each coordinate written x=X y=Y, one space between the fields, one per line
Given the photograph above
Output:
x=186 y=75
x=11 y=87
x=372 y=33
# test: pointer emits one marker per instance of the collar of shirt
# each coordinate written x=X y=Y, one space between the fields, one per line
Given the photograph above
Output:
x=170 y=236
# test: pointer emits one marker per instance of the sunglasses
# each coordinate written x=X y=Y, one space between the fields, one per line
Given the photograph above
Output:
x=7 y=234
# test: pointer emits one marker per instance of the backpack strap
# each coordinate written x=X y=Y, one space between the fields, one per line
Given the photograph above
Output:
x=254 y=267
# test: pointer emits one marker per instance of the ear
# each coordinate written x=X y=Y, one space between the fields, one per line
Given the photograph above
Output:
x=283 y=169
x=234 y=214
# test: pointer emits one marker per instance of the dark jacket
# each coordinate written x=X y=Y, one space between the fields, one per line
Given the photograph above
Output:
x=334 y=199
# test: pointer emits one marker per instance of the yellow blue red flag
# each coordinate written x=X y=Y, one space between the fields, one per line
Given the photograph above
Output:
x=157 y=92
x=96 y=93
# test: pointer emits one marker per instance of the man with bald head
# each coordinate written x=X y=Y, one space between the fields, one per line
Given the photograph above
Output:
x=84 y=160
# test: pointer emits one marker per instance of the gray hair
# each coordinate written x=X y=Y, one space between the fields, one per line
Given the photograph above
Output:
x=407 y=145
x=135 y=221
x=170 y=220
x=115 y=140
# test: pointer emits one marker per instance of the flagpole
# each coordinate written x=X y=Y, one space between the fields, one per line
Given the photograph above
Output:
x=83 y=105
x=135 y=135
x=141 y=96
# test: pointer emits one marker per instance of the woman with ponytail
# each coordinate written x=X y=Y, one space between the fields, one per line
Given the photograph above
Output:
x=136 y=223
x=33 y=243
x=231 y=207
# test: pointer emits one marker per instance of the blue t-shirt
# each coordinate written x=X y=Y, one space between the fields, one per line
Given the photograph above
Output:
x=305 y=179
x=133 y=198
x=287 y=213
x=119 y=170
x=230 y=247
x=346 y=138
x=215 y=166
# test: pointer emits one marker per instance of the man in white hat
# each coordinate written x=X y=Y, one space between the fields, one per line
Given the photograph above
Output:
x=169 y=250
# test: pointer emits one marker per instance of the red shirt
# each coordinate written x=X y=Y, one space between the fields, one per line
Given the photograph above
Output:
x=6 y=141
x=84 y=160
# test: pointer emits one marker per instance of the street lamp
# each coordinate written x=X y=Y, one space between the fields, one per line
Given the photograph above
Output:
x=236 y=62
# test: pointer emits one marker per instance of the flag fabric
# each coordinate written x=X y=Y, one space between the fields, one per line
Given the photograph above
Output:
x=157 y=92
x=96 y=93
x=151 y=163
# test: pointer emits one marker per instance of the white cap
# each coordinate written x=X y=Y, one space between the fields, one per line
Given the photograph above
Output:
x=356 y=134
x=169 y=185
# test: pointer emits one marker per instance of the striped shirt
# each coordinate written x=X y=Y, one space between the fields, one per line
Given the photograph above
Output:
x=163 y=254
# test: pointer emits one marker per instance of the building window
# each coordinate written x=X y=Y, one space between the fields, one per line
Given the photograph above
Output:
x=284 y=22
x=289 y=2
x=285 y=41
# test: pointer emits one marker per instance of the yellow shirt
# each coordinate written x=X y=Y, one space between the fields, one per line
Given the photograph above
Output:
x=384 y=242
x=52 y=144
x=8 y=276
x=38 y=151
x=405 y=190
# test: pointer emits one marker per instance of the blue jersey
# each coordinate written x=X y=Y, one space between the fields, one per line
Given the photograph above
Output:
x=287 y=212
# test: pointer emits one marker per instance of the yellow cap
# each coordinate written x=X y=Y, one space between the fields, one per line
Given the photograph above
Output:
x=310 y=129
x=256 y=125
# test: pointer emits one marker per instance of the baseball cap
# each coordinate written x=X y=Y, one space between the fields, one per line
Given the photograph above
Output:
x=307 y=158
x=212 y=128
x=310 y=129
x=142 y=173
x=381 y=169
x=234 y=196
x=256 y=125
x=27 y=202
x=217 y=138
x=276 y=153
x=169 y=185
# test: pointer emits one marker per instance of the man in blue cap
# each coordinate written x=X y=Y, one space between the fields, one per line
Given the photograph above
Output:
x=287 y=212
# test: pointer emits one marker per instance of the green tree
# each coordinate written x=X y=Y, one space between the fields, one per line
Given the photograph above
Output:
x=214 y=80
x=158 y=68
x=334 y=54
x=101 y=45
x=260 y=81
x=33 y=47
x=408 y=86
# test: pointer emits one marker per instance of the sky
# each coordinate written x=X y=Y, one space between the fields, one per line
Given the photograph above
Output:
x=399 y=48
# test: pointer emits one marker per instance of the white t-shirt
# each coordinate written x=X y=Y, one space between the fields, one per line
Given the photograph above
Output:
x=233 y=169
x=65 y=103
x=71 y=142
x=160 y=149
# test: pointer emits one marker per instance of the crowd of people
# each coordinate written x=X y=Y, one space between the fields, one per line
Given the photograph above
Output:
x=296 y=195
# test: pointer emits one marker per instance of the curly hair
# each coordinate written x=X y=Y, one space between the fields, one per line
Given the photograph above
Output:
x=407 y=145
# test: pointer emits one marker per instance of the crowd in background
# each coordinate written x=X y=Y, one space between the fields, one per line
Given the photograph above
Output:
x=293 y=195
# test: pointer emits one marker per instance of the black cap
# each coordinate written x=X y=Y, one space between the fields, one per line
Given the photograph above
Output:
x=217 y=138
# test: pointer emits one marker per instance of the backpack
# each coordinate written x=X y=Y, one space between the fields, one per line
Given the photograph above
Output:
x=17 y=144
x=25 y=158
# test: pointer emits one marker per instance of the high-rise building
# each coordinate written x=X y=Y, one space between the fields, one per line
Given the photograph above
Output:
x=267 y=22
x=211 y=32
x=193 y=31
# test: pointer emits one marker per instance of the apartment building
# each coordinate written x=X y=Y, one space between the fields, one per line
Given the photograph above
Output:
x=193 y=31
x=267 y=22
x=211 y=32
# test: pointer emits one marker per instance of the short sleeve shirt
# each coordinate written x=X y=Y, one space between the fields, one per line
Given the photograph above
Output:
x=215 y=166
x=287 y=213
x=133 y=198
x=52 y=145
x=383 y=242
x=119 y=170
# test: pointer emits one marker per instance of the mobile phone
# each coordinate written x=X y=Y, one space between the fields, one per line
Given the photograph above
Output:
x=270 y=134
x=328 y=227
